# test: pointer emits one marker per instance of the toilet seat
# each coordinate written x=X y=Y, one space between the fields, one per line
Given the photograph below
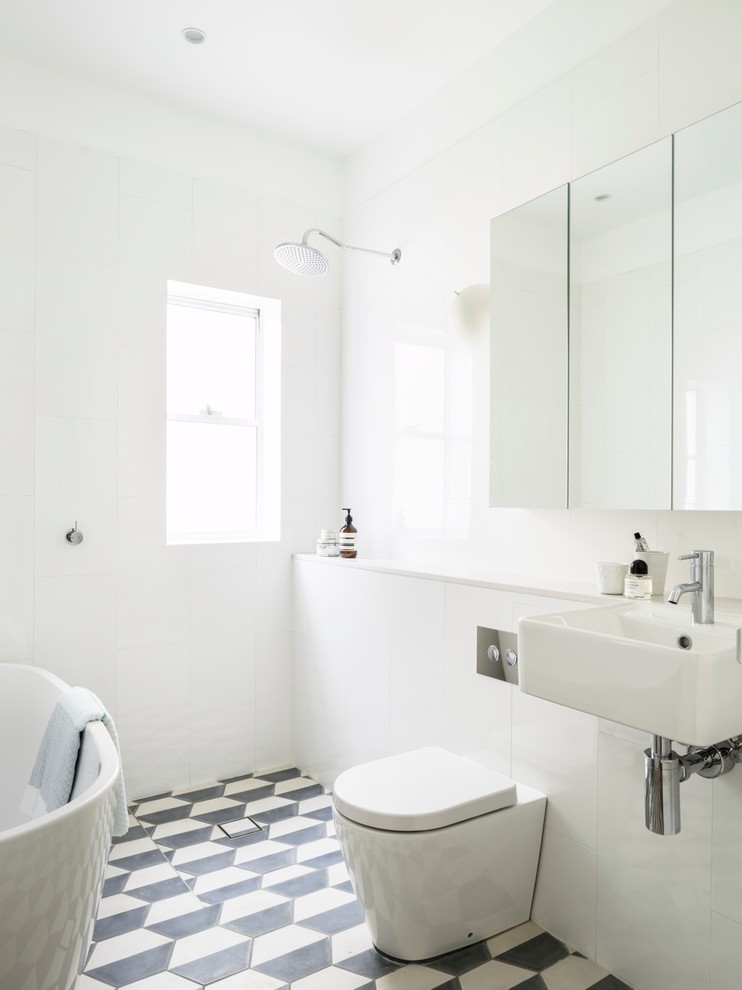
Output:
x=426 y=789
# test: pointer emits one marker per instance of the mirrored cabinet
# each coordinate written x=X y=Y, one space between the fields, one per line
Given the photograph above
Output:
x=616 y=333
x=528 y=354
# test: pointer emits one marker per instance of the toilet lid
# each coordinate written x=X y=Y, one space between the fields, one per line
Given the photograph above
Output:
x=425 y=789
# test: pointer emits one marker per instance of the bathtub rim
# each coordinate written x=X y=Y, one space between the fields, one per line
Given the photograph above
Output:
x=110 y=765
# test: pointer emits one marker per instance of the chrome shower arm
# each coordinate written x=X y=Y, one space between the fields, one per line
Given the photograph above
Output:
x=394 y=256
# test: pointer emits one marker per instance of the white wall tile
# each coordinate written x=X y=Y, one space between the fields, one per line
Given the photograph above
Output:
x=654 y=891
x=153 y=722
x=726 y=953
x=225 y=236
x=155 y=245
x=16 y=580
x=222 y=743
x=726 y=858
x=76 y=339
x=17 y=210
x=273 y=600
x=141 y=434
x=628 y=59
x=159 y=184
x=555 y=750
x=617 y=124
x=77 y=203
x=75 y=481
x=17 y=148
x=222 y=635
x=700 y=70
x=17 y=290
x=75 y=632
x=418 y=709
x=539 y=122
x=273 y=700
x=153 y=603
x=564 y=901
x=16 y=413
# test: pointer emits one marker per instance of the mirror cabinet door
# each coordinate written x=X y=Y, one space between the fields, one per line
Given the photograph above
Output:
x=707 y=458
x=620 y=377
x=528 y=355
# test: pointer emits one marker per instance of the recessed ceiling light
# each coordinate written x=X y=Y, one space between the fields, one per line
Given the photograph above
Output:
x=602 y=197
x=194 y=35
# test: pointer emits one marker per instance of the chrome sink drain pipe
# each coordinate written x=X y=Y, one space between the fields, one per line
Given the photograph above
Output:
x=665 y=770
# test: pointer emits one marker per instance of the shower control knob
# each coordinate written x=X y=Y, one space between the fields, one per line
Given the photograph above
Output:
x=493 y=653
x=511 y=658
x=74 y=536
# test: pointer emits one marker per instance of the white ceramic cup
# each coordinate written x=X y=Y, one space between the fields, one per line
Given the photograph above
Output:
x=610 y=577
x=656 y=561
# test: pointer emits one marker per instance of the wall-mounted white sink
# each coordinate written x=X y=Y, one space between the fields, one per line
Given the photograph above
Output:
x=642 y=664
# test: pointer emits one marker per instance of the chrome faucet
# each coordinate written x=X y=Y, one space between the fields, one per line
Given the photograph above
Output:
x=700 y=586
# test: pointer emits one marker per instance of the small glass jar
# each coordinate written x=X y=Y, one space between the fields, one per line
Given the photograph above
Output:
x=328 y=544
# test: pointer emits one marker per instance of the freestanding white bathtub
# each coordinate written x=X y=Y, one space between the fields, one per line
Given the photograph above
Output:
x=51 y=868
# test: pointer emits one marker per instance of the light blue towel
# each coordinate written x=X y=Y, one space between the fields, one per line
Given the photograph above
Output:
x=53 y=775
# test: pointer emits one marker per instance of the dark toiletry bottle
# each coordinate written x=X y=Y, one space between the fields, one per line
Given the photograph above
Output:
x=348 y=537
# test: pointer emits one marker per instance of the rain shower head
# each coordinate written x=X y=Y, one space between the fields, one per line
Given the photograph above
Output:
x=302 y=259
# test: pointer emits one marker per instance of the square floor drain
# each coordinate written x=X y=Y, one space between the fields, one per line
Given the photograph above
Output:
x=239 y=827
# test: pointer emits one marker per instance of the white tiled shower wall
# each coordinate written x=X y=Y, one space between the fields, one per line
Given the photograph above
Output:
x=190 y=648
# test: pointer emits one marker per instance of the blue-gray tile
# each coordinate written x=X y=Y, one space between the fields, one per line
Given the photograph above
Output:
x=160 y=890
x=328 y=859
x=532 y=983
x=188 y=924
x=369 y=963
x=610 y=983
x=266 y=864
x=460 y=962
x=217 y=966
x=222 y=894
x=307 y=883
x=133 y=968
x=337 y=919
x=537 y=953
x=254 y=794
x=140 y=861
x=230 y=814
x=271 y=815
x=190 y=838
x=277 y=775
x=114 y=885
x=167 y=815
x=304 y=793
x=300 y=962
x=203 y=794
x=304 y=835
x=119 y=924
x=269 y=920
x=208 y=864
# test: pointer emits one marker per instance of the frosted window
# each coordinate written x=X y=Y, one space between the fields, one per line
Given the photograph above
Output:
x=210 y=477
x=223 y=416
x=211 y=362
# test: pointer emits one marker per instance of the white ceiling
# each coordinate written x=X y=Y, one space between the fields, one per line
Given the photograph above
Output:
x=330 y=74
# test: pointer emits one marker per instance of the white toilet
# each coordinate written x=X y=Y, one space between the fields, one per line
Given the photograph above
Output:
x=442 y=852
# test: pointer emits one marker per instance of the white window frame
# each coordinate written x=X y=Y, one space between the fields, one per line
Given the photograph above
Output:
x=267 y=422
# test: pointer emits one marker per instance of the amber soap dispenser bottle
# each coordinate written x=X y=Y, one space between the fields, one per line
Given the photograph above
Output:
x=348 y=537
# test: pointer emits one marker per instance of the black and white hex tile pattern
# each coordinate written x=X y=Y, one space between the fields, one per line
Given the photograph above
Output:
x=186 y=906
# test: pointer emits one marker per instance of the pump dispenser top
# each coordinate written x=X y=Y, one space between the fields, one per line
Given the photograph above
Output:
x=348 y=537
